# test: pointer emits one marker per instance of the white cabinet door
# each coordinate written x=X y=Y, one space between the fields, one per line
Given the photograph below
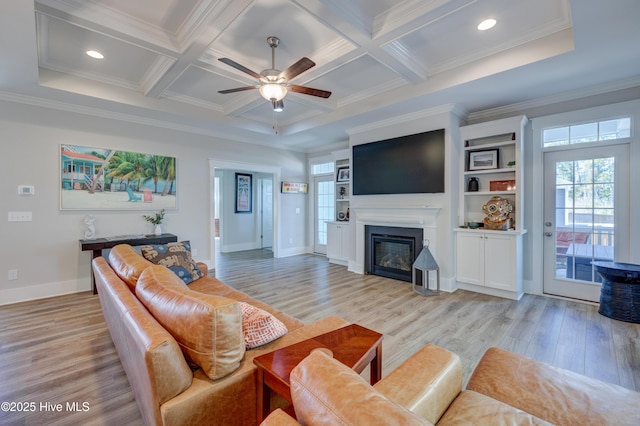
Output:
x=470 y=258
x=489 y=260
x=500 y=262
x=338 y=246
x=334 y=241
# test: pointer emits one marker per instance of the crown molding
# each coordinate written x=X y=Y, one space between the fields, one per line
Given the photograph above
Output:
x=417 y=115
x=100 y=113
x=519 y=107
x=111 y=20
x=402 y=14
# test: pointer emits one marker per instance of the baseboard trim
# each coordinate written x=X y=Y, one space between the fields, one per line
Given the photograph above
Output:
x=43 y=291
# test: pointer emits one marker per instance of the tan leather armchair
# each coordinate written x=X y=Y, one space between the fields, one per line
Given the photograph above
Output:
x=505 y=389
x=326 y=392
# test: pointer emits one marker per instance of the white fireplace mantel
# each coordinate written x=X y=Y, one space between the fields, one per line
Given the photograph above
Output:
x=424 y=217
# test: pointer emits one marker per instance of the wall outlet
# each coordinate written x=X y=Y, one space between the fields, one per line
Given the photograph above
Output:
x=12 y=274
x=26 y=190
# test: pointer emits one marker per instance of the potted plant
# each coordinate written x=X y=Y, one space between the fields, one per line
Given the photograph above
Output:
x=156 y=220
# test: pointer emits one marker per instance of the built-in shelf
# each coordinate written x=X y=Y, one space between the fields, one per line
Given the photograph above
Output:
x=490 y=261
x=483 y=146
x=490 y=171
x=490 y=193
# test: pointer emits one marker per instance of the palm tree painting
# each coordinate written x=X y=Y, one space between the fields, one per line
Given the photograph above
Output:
x=243 y=193
x=107 y=179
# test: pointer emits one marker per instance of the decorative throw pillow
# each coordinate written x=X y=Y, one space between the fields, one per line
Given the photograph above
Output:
x=259 y=326
x=176 y=257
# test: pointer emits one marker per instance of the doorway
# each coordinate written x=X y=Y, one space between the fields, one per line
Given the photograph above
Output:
x=583 y=216
x=265 y=205
x=222 y=201
x=324 y=189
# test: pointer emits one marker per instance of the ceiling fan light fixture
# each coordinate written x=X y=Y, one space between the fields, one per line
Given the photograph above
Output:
x=273 y=92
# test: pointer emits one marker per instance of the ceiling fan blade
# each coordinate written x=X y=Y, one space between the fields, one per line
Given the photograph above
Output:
x=296 y=69
x=242 y=68
x=237 y=89
x=309 y=91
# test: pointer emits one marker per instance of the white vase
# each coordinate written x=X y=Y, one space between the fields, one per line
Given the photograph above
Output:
x=158 y=230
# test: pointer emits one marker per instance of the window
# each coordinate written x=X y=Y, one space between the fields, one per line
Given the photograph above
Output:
x=587 y=132
x=321 y=169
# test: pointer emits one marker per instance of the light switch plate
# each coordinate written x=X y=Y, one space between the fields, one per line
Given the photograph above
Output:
x=20 y=216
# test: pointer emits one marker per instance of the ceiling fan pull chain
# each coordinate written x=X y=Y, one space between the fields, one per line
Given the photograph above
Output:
x=275 y=122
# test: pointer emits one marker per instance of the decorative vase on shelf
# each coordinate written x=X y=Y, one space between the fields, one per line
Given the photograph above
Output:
x=473 y=185
x=158 y=230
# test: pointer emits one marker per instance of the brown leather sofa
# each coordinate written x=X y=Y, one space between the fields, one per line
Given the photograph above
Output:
x=167 y=389
x=505 y=389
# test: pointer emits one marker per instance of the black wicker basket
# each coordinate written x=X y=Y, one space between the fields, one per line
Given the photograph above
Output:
x=620 y=292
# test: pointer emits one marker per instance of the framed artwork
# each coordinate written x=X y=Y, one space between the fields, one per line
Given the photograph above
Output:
x=244 y=193
x=483 y=160
x=107 y=179
x=293 y=188
x=343 y=174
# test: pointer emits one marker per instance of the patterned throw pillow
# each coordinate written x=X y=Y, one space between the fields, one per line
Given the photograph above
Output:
x=259 y=326
x=176 y=257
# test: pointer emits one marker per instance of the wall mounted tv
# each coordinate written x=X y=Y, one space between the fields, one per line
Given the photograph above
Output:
x=411 y=164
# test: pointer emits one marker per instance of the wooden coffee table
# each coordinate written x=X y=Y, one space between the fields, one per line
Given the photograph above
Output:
x=352 y=345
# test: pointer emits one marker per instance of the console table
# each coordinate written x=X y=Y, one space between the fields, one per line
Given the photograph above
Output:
x=98 y=244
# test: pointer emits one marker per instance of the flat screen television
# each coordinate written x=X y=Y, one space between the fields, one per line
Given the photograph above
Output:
x=412 y=164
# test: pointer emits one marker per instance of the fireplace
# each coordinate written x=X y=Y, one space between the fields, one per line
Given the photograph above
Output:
x=390 y=251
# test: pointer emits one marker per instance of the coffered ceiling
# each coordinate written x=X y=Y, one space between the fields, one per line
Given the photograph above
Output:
x=379 y=58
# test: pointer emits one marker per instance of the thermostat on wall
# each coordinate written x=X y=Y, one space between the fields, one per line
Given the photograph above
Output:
x=26 y=190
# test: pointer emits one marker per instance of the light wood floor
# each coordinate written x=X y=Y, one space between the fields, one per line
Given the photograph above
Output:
x=58 y=350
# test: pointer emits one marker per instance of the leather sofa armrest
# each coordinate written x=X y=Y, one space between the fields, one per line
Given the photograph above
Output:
x=553 y=394
x=279 y=418
x=426 y=383
x=203 y=268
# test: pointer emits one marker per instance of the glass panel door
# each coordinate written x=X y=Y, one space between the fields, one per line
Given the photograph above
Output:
x=324 y=212
x=581 y=220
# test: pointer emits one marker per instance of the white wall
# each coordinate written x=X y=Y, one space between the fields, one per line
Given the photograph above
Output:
x=46 y=251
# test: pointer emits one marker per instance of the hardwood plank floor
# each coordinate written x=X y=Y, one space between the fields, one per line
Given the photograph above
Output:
x=59 y=351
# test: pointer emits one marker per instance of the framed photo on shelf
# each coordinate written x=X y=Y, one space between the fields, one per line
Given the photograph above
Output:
x=483 y=160
x=243 y=193
x=343 y=174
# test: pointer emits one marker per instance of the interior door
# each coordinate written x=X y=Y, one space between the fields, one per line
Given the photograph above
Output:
x=324 y=211
x=266 y=212
x=586 y=217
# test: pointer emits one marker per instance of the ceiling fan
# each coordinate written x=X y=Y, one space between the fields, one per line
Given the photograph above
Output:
x=274 y=83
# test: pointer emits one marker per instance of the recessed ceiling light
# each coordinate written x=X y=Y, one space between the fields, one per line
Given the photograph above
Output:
x=95 y=54
x=486 y=24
